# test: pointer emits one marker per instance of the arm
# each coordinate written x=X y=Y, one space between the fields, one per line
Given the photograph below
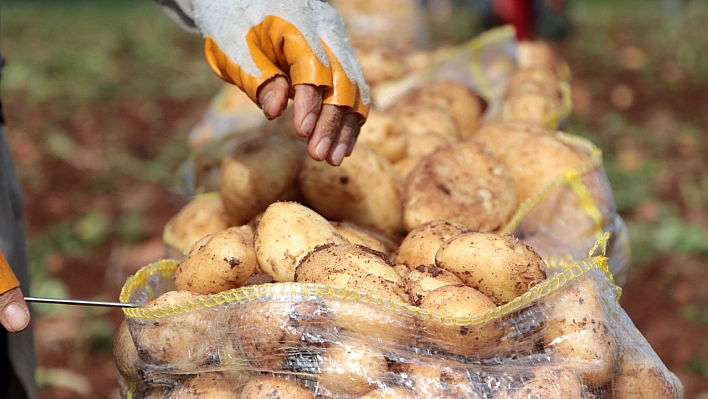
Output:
x=276 y=50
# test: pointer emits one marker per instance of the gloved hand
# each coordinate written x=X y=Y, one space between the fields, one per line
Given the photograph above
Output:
x=14 y=314
x=277 y=49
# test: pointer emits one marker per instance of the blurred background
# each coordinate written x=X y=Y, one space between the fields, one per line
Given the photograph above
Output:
x=99 y=98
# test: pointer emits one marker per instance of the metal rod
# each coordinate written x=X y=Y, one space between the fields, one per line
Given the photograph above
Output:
x=80 y=302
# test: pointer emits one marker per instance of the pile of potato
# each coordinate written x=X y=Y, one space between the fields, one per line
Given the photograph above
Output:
x=424 y=292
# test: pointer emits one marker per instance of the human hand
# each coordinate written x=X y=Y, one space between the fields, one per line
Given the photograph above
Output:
x=275 y=50
x=14 y=314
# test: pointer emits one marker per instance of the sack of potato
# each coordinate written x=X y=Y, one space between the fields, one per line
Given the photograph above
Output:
x=299 y=309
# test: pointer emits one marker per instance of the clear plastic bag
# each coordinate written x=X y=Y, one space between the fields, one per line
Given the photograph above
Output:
x=567 y=337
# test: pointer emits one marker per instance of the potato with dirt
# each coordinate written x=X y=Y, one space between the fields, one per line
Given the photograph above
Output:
x=218 y=262
x=476 y=338
x=198 y=218
x=287 y=232
x=642 y=376
x=580 y=332
x=386 y=134
x=126 y=355
x=423 y=279
x=273 y=387
x=365 y=189
x=367 y=238
x=548 y=383
x=182 y=342
x=352 y=366
x=499 y=266
x=207 y=385
x=420 y=245
x=463 y=183
x=259 y=172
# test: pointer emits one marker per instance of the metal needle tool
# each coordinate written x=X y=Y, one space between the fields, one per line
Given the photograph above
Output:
x=80 y=302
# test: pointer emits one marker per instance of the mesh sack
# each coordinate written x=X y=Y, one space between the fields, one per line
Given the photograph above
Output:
x=567 y=337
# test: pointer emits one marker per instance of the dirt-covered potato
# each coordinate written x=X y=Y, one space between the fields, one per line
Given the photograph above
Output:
x=465 y=107
x=534 y=80
x=423 y=279
x=580 y=332
x=386 y=134
x=537 y=54
x=463 y=183
x=352 y=366
x=358 y=235
x=125 y=354
x=183 y=342
x=272 y=333
x=424 y=119
x=259 y=172
x=642 y=377
x=422 y=243
x=549 y=383
x=499 y=266
x=365 y=189
x=273 y=387
x=500 y=134
x=354 y=267
x=207 y=385
x=195 y=220
x=218 y=262
x=379 y=64
x=389 y=393
x=459 y=302
x=286 y=232
x=437 y=378
x=531 y=106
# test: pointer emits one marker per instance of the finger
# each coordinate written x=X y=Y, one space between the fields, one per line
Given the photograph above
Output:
x=326 y=132
x=308 y=104
x=14 y=314
x=273 y=96
x=348 y=133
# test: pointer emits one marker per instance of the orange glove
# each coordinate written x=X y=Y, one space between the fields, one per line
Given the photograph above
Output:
x=251 y=42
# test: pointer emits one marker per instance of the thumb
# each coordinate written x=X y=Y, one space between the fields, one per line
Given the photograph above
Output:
x=14 y=314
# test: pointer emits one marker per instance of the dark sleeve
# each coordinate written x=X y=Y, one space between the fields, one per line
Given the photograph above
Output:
x=180 y=12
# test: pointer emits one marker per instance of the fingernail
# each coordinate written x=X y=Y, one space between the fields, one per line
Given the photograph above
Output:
x=267 y=99
x=350 y=147
x=322 y=148
x=16 y=316
x=339 y=153
x=308 y=124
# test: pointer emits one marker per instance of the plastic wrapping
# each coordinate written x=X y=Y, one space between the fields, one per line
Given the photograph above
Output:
x=567 y=337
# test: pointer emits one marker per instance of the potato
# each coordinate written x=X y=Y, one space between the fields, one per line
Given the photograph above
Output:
x=352 y=367
x=402 y=270
x=405 y=165
x=357 y=235
x=126 y=354
x=270 y=333
x=421 y=145
x=580 y=332
x=459 y=301
x=195 y=220
x=183 y=342
x=531 y=106
x=259 y=172
x=550 y=383
x=424 y=279
x=463 y=104
x=218 y=262
x=500 y=134
x=208 y=385
x=437 y=378
x=389 y=393
x=353 y=267
x=386 y=134
x=273 y=387
x=534 y=80
x=424 y=119
x=501 y=267
x=422 y=243
x=365 y=189
x=379 y=64
x=463 y=183
x=537 y=54
x=286 y=233
x=644 y=377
